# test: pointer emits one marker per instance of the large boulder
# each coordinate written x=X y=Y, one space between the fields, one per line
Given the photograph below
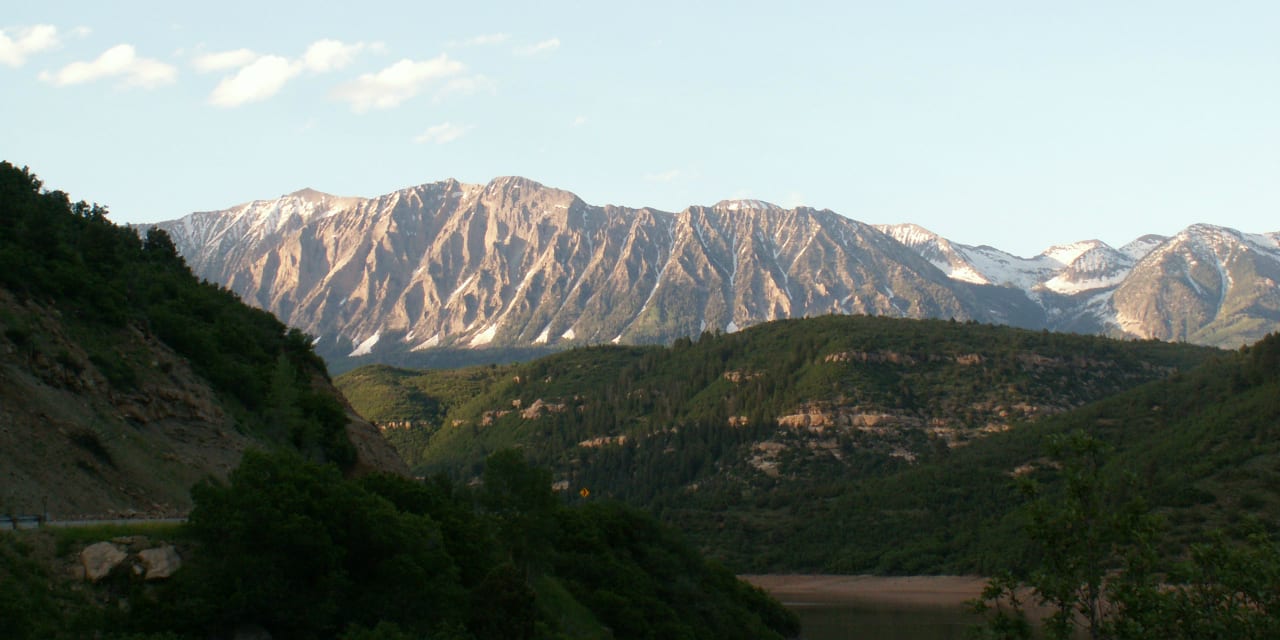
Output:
x=160 y=562
x=100 y=559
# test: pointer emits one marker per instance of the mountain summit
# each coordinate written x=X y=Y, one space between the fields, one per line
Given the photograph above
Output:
x=517 y=264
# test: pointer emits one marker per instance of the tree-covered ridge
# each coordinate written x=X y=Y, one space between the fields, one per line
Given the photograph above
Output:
x=298 y=550
x=1200 y=448
x=744 y=437
x=1103 y=565
x=107 y=286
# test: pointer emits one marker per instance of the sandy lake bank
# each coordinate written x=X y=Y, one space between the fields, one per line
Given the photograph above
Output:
x=896 y=591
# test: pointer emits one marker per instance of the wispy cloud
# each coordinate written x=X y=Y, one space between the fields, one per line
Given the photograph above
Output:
x=663 y=176
x=223 y=60
x=122 y=61
x=393 y=85
x=17 y=44
x=467 y=85
x=443 y=133
x=541 y=47
x=259 y=77
x=578 y=121
x=331 y=55
x=482 y=40
x=793 y=200
x=256 y=81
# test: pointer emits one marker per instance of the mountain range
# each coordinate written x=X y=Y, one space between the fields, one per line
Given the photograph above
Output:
x=515 y=264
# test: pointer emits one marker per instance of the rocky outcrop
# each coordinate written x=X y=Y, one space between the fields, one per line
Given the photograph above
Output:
x=160 y=562
x=100 y=559
x=74 y=444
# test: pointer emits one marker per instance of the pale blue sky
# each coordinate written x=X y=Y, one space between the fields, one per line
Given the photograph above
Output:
x=1018 y=124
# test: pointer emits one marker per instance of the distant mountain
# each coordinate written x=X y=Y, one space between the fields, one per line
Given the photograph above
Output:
x=1206 y=285
x=515 y=264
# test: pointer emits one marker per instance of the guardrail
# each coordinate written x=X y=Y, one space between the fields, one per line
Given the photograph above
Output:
x=21 y=522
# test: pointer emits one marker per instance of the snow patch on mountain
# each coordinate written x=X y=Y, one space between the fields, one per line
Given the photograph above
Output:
x=429 y=343
x=485 y=336
x=1142 y=247
x=366 y=347
x=745 y=204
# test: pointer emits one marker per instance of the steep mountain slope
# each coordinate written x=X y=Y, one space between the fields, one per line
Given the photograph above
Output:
x=513 y=263
x=1206 y=285
x=784 y=409
x=124 y=380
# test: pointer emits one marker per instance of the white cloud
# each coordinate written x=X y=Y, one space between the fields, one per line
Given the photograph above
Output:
x=442 y=133
x=579 y=121
x=467 y=86
x=262 y=76
x=330 y=55
x=664 y=176
x=396 y=83
x=81 y=31
x=256 y=81
x=541 y=47
x=121 y=60
x=224 y=60
x=485 y=39
x=19 y=43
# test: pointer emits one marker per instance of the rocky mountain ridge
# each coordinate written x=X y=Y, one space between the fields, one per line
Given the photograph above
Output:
x=513 y=263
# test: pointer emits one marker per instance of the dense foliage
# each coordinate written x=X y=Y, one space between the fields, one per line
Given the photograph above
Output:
x=298 y=550
x=1099 y=573
x=692 y=432
x=107 y=283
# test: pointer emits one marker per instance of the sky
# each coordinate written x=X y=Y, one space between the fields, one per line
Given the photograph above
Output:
x=1017 y=124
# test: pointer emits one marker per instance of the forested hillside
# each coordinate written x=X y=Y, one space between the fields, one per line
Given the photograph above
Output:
x=125 y=379
x=293 y=549
x=746 y=438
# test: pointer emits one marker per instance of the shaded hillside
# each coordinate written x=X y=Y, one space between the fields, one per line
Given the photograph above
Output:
x=739 y=436
x=1201 y=447
x=124 y=379
x=381 y=557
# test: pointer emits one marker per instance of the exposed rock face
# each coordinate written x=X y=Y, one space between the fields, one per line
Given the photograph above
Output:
x=160 y=562
x=1207 y=285
x=516 y=264
x=513 y=263
x=73 y=445
x=99 y=559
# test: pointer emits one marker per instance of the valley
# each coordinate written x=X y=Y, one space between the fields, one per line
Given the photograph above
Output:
x=751 y=440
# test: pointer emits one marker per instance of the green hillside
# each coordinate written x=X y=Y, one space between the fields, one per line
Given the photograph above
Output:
x=746 y=439
x=127 y=379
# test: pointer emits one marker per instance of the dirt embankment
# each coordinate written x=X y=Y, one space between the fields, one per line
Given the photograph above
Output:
x=898 y=591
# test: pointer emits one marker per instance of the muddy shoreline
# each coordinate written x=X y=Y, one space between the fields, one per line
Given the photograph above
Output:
x=896 y=591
